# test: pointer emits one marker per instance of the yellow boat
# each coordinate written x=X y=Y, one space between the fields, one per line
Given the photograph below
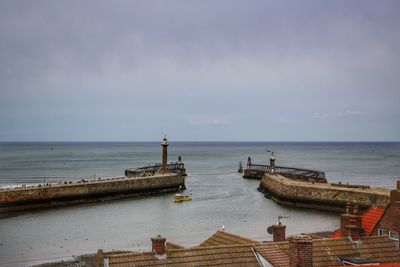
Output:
x=182 y=197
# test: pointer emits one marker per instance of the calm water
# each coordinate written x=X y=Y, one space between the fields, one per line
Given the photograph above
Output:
x=220 y=195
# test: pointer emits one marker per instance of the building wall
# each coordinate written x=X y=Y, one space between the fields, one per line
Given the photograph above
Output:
x=390 y=221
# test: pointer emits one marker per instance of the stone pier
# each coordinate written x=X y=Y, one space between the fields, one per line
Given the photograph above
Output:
x=84 y=192
x=322 y=196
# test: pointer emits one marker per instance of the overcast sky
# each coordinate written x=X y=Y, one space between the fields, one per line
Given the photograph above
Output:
x=199 y=70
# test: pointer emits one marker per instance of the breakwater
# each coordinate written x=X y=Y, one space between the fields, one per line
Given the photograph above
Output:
x=257 y=171
x=151 y=179
x=322 y=196
x=22 y=198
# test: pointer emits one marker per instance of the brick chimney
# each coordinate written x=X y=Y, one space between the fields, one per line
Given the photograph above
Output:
x=100 y=258
x=353 y=230
x=395 y=194
x=158 y=245
x=300 y=251
x=278 y=231
x=351 y=214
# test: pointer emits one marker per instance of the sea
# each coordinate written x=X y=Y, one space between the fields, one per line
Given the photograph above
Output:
x=221 y=197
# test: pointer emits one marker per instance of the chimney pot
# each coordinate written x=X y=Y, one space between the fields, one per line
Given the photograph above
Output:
x=100 y=258
x=355 y=209
x=351 y=214
x=353 y=230
x=158 y=245
x=395 y=194
x=278 y=231
x=348 y=208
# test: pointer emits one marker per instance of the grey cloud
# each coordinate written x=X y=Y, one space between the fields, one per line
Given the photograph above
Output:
x=347 y=113
x=138 y=60
x=208 y=120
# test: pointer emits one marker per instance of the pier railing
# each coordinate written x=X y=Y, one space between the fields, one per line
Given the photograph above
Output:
x=151 y=169
x=297 y=173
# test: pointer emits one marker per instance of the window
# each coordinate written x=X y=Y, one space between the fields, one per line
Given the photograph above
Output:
x=394 y=236
x=382 y=232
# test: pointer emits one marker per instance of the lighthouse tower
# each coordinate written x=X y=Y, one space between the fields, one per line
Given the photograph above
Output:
x=272 y=160
x=164 y=166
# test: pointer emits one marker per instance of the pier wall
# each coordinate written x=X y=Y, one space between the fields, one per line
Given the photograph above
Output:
x=253 y=174
x=323 y=196
x=55 y=195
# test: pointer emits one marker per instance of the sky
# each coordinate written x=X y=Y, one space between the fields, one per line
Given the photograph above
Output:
x=199 y=70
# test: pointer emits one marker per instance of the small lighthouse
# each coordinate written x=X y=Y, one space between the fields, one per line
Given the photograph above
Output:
x=272 y=160
x=164 y=166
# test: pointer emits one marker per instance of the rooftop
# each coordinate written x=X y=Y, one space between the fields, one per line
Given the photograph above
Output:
x=228 y=255
x=375 y=248
x=368 y=221
x=222 y=237
x=326 y=252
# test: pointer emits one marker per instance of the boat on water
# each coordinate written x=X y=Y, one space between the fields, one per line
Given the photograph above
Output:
x=180 y=197
x=240 y=170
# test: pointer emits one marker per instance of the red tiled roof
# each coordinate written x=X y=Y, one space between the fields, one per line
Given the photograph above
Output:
x=336 y=234
x=368 y=221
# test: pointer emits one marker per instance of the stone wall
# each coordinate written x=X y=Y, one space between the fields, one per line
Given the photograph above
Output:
x=253 y=174
x=24 y=198
x=322 y=196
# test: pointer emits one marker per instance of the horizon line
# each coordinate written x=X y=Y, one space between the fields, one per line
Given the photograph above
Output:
x=201 y=141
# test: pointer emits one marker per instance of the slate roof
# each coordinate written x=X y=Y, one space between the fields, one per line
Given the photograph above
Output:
x=224 y=238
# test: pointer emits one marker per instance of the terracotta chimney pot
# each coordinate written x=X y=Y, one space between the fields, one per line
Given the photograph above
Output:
x=100 y=258
x=158 y=245
x=351 y=214
x=278 y=231
x=395 y=194
x=353 y=230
